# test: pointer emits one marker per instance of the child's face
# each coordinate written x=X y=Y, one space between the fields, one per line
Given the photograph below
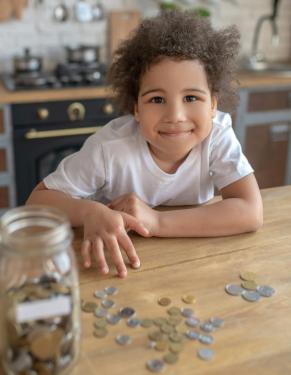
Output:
x=174 y=108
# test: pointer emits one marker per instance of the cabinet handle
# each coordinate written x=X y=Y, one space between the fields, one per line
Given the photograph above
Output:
x=35 y=134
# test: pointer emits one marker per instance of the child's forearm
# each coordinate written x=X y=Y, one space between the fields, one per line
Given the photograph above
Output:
x=75 y=209
x=226 y=217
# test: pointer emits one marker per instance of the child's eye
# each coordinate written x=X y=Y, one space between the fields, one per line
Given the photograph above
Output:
x=157 y=100
x=190 y=98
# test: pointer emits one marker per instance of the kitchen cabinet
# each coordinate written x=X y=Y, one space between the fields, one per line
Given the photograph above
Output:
x=263 y=126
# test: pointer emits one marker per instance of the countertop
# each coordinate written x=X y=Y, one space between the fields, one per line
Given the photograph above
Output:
x=29 y=96
x=255 y=338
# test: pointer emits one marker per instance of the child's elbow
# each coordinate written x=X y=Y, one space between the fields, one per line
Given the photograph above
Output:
x=256 y=221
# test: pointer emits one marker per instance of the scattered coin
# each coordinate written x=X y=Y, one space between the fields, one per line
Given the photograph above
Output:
x=123 y=339
x=205 y=339
x=170 y=358
x=161 y=345
x=111 y=290
x=192 y=335
x=100 y=323
x=164 y=301
x=100 y=332
x=113 y=319
x=126 y=312
x=175 y=320
x=89 y=307
x=155 y=365
x=251 y=296
x=99 y=294
x=192 y=322
x=205 y=354
x=207 y=327
x=265 y=290
x=133 y=322
x=233 y=289
x=100 y=312
x=174 y=311
x=107 y=303
x=248 y=276
x=188 y=298
x=216 y=322
x=176 y=337
x=156 y=336
x=249 y=285
x=187 y=312
x=175 y=347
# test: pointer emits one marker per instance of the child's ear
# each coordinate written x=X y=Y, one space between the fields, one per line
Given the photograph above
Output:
x=136 y=114
x=214 y=105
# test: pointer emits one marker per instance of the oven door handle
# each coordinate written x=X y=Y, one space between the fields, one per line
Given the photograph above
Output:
x=40 y=134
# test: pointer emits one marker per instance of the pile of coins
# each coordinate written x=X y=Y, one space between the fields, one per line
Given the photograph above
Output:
x=249 y=289
x=167 y=334
x=42 y=345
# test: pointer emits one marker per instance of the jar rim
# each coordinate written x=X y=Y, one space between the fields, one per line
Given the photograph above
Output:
x=37 y=229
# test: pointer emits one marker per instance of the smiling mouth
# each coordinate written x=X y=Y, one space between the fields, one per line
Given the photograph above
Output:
x=176 y=133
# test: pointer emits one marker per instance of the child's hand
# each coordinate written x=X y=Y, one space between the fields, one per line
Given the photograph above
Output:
x=107 y=229
x=133 y=205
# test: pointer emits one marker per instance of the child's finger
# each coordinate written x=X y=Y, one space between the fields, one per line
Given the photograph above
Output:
x=131 y=223
x=98 y=250
x=85 y=252
x=116 y=256
x=128 y=247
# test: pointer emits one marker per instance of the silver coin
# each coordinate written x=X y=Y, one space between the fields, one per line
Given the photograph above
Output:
x=110 y=290
x=100 y=312
x=233 y=289
x=192 y=335
x=155 y=365
x=206 y=339
x=187 y=312
x=265 y=290
x=107 y=303
x=133 y=322
x=206 y=327
x=123 y=339
x=151 y=344
x=113 y=319
x=126 y=312
x=216 y=322
x=99 y=294
x=192 y=322
x=251 y=295
x=205 y=353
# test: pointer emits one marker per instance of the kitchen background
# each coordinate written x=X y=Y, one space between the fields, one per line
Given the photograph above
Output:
x=61 y=100
x=39 y=30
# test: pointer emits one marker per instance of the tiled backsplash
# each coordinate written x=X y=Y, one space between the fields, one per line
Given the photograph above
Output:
x=45 y=37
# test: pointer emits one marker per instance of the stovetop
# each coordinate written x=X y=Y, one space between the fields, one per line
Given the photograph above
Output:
x=64 y=76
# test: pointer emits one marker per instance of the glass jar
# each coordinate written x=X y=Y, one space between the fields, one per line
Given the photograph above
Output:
x=40 y=307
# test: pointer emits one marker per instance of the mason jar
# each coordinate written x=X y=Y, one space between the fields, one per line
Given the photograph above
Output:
x=39 y=306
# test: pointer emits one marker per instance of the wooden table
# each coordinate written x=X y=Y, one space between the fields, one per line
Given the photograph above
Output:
x=256 y=337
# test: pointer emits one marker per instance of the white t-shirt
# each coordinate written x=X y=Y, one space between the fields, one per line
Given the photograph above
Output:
x=116 y=160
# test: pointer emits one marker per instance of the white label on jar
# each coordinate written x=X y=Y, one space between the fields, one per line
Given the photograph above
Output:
x=43 y=309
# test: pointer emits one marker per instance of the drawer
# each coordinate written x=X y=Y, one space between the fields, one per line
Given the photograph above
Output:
x=269 y=101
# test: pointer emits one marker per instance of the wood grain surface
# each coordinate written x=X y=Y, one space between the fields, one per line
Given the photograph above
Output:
x=256 y=337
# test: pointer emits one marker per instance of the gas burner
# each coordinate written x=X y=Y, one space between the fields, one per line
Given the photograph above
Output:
x=65 y=75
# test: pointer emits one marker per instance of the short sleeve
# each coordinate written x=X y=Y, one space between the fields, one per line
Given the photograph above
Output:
x=227 y=161
x=81 y=174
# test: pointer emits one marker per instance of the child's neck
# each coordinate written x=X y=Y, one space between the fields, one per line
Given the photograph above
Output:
x=166 y=165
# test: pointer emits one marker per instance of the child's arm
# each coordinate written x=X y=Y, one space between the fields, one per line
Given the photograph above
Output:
x=240 y=211
x=103 y=227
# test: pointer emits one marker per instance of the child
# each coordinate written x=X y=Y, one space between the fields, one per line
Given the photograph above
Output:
x=171 y=148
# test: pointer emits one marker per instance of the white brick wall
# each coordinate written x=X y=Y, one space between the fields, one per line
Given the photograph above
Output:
x=47 y=38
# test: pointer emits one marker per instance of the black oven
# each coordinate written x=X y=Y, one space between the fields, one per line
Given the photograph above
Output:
x=44 y=133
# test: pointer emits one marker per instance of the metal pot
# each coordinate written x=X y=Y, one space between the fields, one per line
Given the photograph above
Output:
x=27 y=63
x=83 y=54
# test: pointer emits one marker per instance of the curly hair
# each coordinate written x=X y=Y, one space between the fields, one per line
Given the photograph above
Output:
x=180 y=36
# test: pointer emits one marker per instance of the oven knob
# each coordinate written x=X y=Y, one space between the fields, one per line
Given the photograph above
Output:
x=43 y=113
x=108 y=109
x=76 y=111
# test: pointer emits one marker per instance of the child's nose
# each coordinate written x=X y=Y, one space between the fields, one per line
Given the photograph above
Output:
x=175 y=112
